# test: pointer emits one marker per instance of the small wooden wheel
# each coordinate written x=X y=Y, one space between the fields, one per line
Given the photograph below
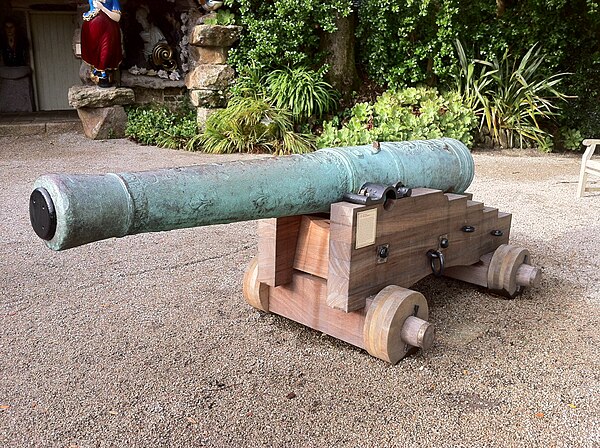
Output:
x=396 y=322
x=255 y=292
x=510 y=271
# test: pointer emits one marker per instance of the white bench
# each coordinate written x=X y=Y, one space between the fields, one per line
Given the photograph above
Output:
x=588 y=166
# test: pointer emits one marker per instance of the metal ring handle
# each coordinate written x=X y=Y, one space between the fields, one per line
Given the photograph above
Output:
x=436 y=255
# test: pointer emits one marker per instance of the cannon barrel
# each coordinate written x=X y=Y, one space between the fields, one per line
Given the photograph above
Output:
x=71 y=210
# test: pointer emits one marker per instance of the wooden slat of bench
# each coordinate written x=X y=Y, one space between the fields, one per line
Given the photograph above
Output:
x=593 y=165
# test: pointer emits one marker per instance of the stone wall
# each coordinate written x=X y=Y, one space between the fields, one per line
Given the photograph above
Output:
x=154 y=90
x=209 y=75
x=205 y=85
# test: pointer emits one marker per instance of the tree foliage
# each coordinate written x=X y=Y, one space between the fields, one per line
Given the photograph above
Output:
x=410 y=42
x=282 y=33
x=407 y=42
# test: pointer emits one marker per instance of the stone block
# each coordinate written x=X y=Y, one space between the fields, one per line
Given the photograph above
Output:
x=207 y=76
x=215 y=35
x=175 y=102
x=21 y=129
x=202 y=115
x=208 y=55
x=103 y=122
x=149 y=82
x=148 y=96
x=210 y=99
x=93 y=96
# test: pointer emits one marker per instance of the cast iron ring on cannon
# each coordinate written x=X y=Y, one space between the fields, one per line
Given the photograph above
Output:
x=402 y=191
x=379 y=193
x=372 y=193
x=436 y=255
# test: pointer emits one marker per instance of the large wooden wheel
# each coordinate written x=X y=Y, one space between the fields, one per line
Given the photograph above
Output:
x=396 y=322
x=510 y=271
x=255 y=292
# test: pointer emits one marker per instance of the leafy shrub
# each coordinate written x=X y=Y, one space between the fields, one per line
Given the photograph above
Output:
x=282 y=33
x=470 y=79
x=398 y=115
x=513 y=97
x=571 y=139
x=160 y=126
x=250 y=83
x=300 y=90
x=403 y=43
x=406 y=43
x=409 y=42
x=585 y=111
x=252 y=125
x=223 y=17
x=263 y=110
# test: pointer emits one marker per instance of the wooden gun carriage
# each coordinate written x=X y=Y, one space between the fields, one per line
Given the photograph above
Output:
x=346 y=274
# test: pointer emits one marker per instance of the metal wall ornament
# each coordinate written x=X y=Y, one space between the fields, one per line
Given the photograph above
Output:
x=162 y=57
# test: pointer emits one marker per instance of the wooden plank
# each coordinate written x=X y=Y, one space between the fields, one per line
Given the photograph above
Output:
x=277 y=239
x=341 y=247
x=472 y=240
x=411 y=228
x=457 y=218
x=475 y=273
x=504 y=223
x=303 y=300
x=350 y=283
x=312 y=249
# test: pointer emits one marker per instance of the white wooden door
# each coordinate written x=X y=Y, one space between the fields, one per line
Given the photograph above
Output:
x=56 y=68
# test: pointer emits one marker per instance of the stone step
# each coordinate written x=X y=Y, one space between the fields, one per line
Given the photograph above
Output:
x=34 y=123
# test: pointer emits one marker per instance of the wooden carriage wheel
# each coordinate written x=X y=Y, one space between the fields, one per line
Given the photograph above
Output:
x=510 y=271
x=396 y=322
x=255 y=292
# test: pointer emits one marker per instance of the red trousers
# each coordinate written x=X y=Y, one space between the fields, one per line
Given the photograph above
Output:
x=101 y=42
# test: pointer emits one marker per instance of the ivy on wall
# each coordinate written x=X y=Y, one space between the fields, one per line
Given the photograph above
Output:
x=403 y=43
x=282 y=33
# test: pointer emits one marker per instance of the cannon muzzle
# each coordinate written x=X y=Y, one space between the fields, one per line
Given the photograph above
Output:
x=70 y=210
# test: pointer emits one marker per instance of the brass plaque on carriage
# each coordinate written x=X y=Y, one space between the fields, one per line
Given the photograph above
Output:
x=366 y=228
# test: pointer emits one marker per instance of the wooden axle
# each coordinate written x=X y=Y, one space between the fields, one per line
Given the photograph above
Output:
x=417 y=332
x=506 y=271
x=346 y=274
x=392 y=323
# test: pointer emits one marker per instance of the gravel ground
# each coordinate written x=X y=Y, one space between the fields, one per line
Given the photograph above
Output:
x=146 y=341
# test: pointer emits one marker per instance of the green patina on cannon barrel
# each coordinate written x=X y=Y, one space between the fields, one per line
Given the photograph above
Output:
x=94 y=207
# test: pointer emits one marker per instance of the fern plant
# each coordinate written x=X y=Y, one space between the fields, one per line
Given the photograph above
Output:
x=252 y=125
x=301 y=90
